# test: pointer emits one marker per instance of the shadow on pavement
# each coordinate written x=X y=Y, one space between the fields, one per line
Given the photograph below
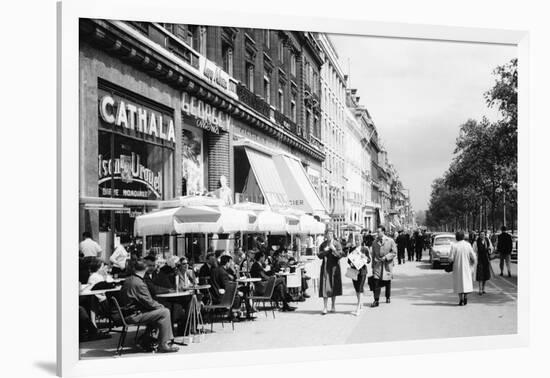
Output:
x=422 y=292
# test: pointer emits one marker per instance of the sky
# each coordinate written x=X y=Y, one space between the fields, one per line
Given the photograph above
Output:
x=418 y=94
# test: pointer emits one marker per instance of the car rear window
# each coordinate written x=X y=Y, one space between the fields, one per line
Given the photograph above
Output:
x=444 y=240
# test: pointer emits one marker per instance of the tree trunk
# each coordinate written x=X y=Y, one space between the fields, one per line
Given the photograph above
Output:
x=493 y=209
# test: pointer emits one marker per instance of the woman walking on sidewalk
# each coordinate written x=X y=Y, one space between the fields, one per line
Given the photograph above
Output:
x=483 y=248
x=330 y=278
x=358 y=259
x=463 y=259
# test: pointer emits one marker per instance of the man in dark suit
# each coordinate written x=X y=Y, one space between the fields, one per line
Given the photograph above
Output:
x=410 y=247
x=280 y=293
x=504 y=247
x=150 y=277
x=402 y=242
x=221 y=275
x=139 y=307
x=205 y=271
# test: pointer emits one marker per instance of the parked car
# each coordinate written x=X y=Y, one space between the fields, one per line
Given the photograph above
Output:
x=441 y=249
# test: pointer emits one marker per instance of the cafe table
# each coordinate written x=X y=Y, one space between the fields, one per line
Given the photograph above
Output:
x=194 y=320
x=86 y=292
x=175 y=294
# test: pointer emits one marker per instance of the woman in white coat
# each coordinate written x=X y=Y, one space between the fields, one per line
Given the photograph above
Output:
x=463 y=259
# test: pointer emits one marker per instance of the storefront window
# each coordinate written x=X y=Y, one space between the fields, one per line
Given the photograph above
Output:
x=192 y=161
x=130 y=168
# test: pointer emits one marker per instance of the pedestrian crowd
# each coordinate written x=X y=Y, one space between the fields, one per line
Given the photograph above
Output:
x=471 y=260
x=370 y=259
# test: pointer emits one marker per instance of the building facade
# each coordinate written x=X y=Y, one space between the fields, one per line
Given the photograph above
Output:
x=333 y=131
x=169 y=110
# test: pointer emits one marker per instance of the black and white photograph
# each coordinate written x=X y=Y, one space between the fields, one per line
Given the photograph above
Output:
x=245 y=189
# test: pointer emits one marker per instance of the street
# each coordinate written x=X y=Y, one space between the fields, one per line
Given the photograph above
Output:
x=423 y=307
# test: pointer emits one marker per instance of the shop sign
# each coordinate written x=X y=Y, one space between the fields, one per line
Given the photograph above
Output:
x=129 y=170
x=216 y=76
x=203 y=115
x=125 y=114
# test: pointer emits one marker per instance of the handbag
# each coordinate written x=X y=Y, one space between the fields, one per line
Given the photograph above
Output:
x=352 y=273
x=449 y=268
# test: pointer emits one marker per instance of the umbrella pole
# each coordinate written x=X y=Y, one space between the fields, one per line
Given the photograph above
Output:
x=205 y=245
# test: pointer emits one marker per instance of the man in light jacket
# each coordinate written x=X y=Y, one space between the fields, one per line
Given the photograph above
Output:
x=384 y=251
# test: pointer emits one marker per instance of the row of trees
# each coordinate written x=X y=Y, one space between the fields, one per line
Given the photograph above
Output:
x=479 y=189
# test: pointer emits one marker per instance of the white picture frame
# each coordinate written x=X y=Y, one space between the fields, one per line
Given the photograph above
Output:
x=68 y=363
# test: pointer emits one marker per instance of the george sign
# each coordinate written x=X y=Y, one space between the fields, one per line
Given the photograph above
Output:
x=126 y=114
x=202 y=115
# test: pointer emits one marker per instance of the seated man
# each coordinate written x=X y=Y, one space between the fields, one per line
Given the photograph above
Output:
x=151 y=276
x=139 y=307
x=280 y=293
x=206 y=268
x=221 y=275
x=166 y=279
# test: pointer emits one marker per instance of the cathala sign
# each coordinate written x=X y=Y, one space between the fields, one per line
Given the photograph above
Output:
x=128 y=115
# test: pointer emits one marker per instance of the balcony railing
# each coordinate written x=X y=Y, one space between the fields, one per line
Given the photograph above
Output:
x=253 y=100
x=284 y=121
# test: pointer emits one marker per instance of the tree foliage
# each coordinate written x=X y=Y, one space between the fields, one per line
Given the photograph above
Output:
x=484 y=167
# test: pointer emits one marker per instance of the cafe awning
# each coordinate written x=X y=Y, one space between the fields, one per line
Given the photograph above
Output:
x=268 y=178
x=299 y=190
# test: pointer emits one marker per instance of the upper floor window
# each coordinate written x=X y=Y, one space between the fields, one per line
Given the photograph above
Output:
x=250 y=76
x=281 y=51
x=267 y=89
x=267 y=38
x=281 y=100
x=293 y=107
x=227 y=56
x=196 y=38
x=293 y=64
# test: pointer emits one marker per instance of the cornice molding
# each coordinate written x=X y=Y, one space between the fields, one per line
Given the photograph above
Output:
x=104 y=35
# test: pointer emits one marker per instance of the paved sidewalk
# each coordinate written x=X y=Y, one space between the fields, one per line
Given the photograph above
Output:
x=423 y=306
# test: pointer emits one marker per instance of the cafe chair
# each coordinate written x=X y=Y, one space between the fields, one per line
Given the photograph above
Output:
x=118 y=320
x=294 y=283
x=266 y=297
x=225 y=306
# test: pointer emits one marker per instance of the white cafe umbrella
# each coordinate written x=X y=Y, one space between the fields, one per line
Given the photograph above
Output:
x=266 y=219
x=318 y=228
x=174 y=220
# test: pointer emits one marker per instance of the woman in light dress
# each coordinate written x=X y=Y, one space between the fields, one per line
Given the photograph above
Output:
x=463 y=259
